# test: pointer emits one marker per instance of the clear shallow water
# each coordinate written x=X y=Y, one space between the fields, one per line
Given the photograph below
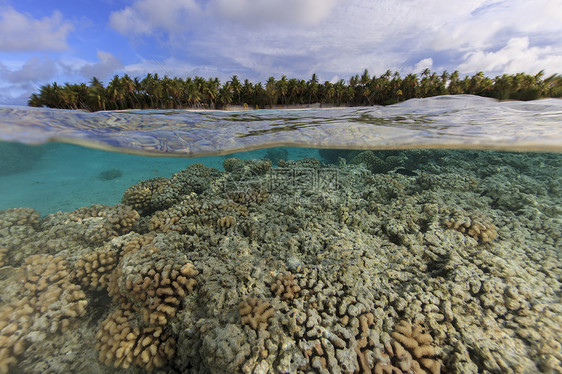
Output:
x=292 y=260
x=461 y=121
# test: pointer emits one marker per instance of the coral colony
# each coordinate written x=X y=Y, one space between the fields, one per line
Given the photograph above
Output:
x=375 y=264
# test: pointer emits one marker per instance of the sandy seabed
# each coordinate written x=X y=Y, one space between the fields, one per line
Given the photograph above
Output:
x=380 y=262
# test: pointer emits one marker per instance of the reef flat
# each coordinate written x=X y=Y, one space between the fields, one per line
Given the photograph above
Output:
x=369 y=262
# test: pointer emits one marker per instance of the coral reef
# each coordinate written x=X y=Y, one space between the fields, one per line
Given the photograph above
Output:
x=94 y=269
x=102 y=223
x=121 y=343
x=18 y=217
x=139 y=196
x=255 y=312
x=44 y=302
x=286 y=287
x=3 y=256
x=477 y=228
x=232 y=164
x=298 y=269
x=147 y=287
x=410 y=351
x=373 y=163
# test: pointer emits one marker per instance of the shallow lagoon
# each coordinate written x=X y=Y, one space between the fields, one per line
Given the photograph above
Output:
x=282 y=260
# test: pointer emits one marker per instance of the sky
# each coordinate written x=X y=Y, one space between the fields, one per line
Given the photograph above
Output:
x=44 y=41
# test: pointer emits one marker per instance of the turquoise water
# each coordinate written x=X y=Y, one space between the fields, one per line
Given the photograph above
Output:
x=63 y=177
x=422 y=237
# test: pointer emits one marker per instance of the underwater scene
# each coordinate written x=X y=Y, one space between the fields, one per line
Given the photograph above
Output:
x=422 y=237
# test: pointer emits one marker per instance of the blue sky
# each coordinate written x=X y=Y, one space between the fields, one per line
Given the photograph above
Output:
x=42 y=41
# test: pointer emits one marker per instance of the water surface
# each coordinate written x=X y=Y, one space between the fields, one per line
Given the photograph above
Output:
x=462 y=122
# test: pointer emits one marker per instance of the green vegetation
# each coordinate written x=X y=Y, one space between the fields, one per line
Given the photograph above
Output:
x=154 y=92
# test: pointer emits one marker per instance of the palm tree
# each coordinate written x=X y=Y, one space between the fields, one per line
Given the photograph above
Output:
x=211 y=91
x=271 y=91
x=312 y=86
x=116 y=93
x=455 y=86
x=247 y=92
x=224 y=97
x=153 y=92
x=236 y=87
x=281 y=87
x=365 y=77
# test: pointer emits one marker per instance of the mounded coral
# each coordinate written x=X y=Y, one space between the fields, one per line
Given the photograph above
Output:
x=3 y=256
x=15 y=317
x=255 y=312
x=139 y=196
x=122 y=343
x=260 y=167
x=100 y=223
x=477 y=228
x=147 y=286
x=373 y=163
x=136 y=243
x=195 y=178
x=154 y=282
x=16 y=227
x=18 y=217
x=46 y=282
x=190 y=213
x=410 y=351
x=286 y=287
x=94 y=269
x=226 y=222
x=232 y=164
x=45 y=302
x=248 y=197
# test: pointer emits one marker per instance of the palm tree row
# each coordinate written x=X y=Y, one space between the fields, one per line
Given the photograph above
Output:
x=154 y=92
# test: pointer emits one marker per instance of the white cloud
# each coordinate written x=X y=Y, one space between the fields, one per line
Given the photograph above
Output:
x=147 y=16
x=20 y=32
x=256 y=12
x=299 y=37
x=176 y=68
x=515 y=57
x=107 y=65
x=19 y=79
x=426 y=63
x=34 y=70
